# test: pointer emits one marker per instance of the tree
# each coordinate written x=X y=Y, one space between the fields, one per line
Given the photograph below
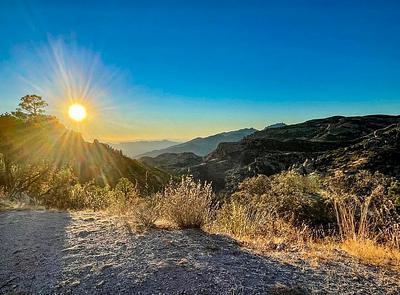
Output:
x=31 y=105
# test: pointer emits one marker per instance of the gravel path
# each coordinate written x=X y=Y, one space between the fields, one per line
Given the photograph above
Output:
x=84 y=253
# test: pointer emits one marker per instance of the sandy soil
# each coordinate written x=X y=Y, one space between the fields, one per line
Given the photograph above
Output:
x=84 y=253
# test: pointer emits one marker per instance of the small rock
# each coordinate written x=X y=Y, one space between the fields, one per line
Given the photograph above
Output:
x=101 y=283
x=182 y=262
x=281 y=246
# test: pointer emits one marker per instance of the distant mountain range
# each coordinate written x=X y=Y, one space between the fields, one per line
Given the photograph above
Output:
x=323 y=145
x=202 y=146
x=134 y=148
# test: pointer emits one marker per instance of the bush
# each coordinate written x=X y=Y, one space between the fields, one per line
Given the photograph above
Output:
x=91 y=196
x=145 y=212
x=287 y=196
x=54 y=191
x=126 y=190
x=394 y=194
x=365 y=206
x=273 y=208
x=187 y=204
x=22 y=179
x=240 y=219
x=125 y=196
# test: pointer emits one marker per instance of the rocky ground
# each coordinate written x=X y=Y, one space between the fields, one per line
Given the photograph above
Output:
x=80 y=253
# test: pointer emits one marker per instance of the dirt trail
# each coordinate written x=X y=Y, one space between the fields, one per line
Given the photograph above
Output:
x=85 y=253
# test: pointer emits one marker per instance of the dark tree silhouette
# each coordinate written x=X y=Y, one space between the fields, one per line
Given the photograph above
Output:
x=31 y=105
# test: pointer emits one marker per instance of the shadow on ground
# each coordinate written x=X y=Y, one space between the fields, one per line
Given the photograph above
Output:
x=53 y=252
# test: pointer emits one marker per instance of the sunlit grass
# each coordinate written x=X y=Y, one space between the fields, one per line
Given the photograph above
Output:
x=371 y=252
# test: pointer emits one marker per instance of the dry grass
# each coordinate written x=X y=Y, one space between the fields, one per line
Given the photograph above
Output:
x=364 y=208
x=370 y=252
x=19 y=202
x=139 y=212
x=17 y=205
x=252 y=225
x=184 y=204
x=145 y=213
x=187 y=204
x=365 y=224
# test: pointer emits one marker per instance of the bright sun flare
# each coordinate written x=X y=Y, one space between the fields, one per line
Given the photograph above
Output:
x=77 y=112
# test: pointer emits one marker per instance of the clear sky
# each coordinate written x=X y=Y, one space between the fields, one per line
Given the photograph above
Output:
x=181 y=69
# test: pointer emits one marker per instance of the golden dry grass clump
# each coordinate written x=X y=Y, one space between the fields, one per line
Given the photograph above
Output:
x=188 y=203
x=365 y=207
x=282 y=207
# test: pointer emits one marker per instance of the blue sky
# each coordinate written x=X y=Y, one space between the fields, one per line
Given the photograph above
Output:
x=181 y=69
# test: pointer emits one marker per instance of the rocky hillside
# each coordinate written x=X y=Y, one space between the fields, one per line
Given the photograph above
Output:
x=201 y=146
x=337 y=128
x=322 y=144
x=46 y=140
x=378 y=151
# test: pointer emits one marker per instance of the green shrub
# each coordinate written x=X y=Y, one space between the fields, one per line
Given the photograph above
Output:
x=54 y=191
x=394 y=194
x=126 y=189
x=288 y=196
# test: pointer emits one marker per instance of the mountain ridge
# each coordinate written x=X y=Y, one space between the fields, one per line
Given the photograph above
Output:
x=135 y=148
x=201 y=146
x=309 y=146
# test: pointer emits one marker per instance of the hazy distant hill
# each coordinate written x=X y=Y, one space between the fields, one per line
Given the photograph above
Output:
x=135 y=148
x=201 y=146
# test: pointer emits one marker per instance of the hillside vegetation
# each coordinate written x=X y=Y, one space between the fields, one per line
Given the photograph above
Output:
x=37 y=151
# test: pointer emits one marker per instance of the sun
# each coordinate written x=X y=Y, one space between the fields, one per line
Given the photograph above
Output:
x=77 y=112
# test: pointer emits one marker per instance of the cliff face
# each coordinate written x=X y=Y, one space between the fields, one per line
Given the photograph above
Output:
x=369 y=142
